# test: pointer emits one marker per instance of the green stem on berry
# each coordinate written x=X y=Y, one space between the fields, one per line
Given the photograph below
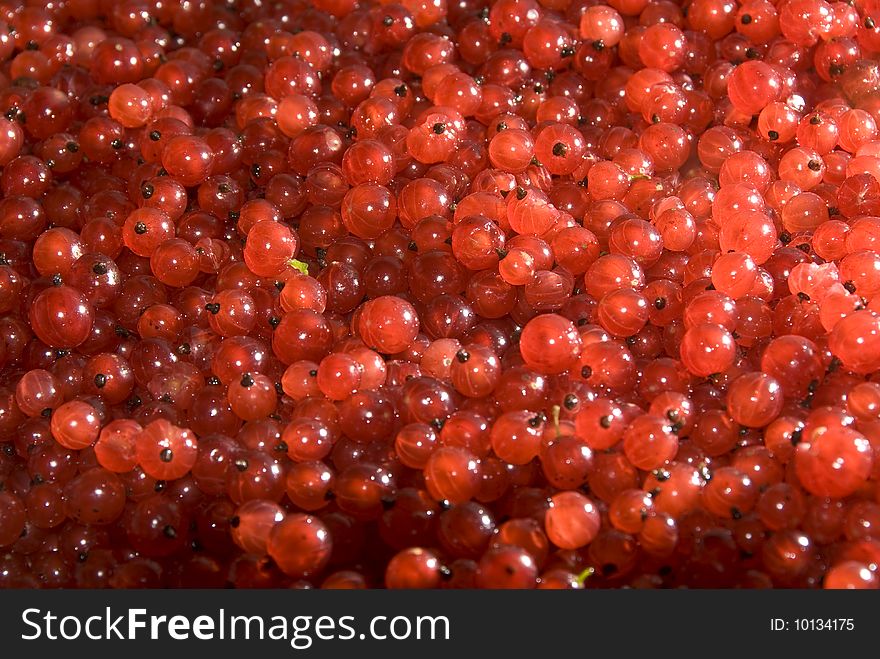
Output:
x=299 y=265
x=586 y=574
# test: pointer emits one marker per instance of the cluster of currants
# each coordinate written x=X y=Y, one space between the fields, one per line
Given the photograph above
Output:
x=439 y=293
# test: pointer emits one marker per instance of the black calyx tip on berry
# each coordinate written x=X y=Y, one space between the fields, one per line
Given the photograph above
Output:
x=401 y=90
x=752 y=53
x=274 y=321
x=56 y=279
x=606 y=421
x=100 y=268
x=462 y=355
x=660 y=303
x=247 y=380
x=570 y=401
x=502 y=125
x=869 y=23
x=166 y=455
x=235 y=521
x=388 y=21
x=773 y=135
x=223 y=188
x=184 y=349
x=445 y=573
x=745 y=19
x=814 y=165
x=100 y=380
x=598 y=45
x=567 y=51
x=520 y=192
x=438 y=423
x=117 y=144
x=213 y=380
x=439 y=128
x=256 y=170
x=536 y=421
x=505 y=39
x=586 y=372
x=213 y=308
x=140 y=228
x=313 y=373
x=559 y=150
x=169 y=532
x=849 y=286
x=815 y=120
x=147 y=190
x=73 y=147
x=155 y=135
x=241 y=464
x=785 y=237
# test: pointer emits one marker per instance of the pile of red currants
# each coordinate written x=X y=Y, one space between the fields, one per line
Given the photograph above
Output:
x=439 y=293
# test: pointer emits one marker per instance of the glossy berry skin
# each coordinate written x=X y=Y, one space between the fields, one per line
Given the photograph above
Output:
x=388 y=324
x=452 y=474
x=419 y=294
x=269 y=247
x=188 y=159
x=12 y=519
x=754 y=399
x=413 y=568
x=572 y=521
x=252 y=524
x=649 y=442
x=707 y=349
x=507 y=567
x=550 y=344
x=854 y=340
x=61 y=317
x=96 y=496
x=300 y=545
x=75 y=424
x=164 y=451
x=833 y=463
x=36 y=391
